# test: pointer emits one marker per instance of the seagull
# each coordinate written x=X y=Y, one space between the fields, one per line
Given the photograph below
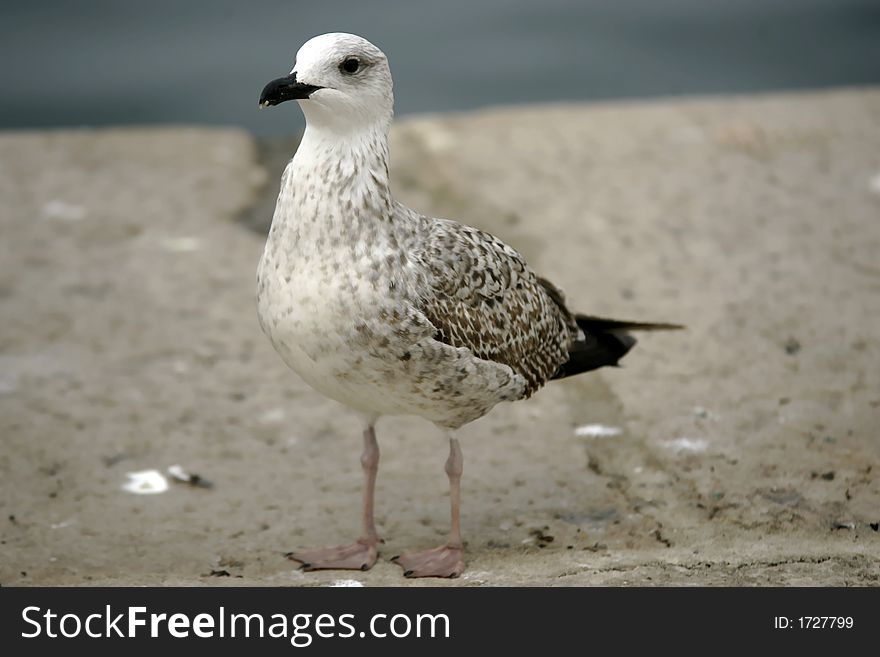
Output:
x=392 y=312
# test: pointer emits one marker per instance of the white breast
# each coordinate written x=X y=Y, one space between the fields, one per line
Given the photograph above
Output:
x=338 y=297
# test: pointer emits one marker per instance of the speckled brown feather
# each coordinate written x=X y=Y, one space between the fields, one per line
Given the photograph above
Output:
x=482 y=295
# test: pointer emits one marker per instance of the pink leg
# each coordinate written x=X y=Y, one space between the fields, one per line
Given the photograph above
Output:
x=446 y=560
x=360 y=555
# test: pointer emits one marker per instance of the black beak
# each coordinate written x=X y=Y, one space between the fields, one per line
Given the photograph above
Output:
x=286 y=88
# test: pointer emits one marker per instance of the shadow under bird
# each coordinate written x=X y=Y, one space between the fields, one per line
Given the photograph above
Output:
x=391 y=312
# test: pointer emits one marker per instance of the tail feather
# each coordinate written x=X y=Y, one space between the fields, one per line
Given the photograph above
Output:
x=604 y=343
x=602 y=324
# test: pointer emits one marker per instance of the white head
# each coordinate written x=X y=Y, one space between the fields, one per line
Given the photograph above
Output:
x=340 y=80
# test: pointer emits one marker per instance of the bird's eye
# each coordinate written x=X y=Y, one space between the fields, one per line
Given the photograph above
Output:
x=350 y=65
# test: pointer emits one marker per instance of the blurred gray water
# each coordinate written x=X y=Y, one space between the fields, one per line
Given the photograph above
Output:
x=121 y=62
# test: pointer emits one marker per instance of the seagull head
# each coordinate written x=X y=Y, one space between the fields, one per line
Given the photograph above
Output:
x=340 y=80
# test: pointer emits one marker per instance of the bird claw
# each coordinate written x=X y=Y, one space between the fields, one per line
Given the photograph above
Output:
x=357 y=556
x=443 y=561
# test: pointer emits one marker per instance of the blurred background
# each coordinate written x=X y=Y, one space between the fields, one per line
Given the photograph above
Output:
x=113 y=62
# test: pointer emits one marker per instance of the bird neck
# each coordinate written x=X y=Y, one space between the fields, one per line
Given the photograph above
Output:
x=346 y=172
x=335 y=191
x=362 y=151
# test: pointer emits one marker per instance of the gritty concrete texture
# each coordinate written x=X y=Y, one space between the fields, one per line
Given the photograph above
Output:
x=748 y=446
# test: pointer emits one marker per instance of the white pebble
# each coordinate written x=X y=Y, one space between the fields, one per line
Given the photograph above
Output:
x=145 y=482
x=181 y=244
x=688 y=445
x=63 y=211
x=596 y=431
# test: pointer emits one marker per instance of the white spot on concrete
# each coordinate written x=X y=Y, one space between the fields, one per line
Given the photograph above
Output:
x=874 y=183
x=688 y=445
x=345 y=583
x=181 y=244
x=145 y=482
x=480 y=575
x=597 y=431
x=61 y=525
x=63 y=211
x=180 y=366
x=272 y=416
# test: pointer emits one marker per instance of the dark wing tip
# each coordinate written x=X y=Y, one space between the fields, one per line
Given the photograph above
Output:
x=603 y=324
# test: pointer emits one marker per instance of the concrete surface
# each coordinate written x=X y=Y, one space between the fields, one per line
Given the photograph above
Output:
x=749 y=446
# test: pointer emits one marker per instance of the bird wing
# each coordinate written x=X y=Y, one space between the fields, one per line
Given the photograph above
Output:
x=480 y=294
